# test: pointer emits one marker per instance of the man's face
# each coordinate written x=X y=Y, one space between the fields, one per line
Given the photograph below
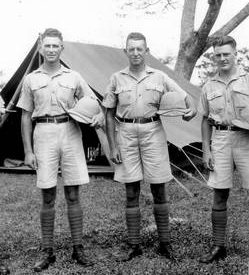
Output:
x=225 y=57
x=51 y=48
x=136 y=51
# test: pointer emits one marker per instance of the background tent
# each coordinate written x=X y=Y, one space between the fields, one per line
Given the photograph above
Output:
x=95 y=63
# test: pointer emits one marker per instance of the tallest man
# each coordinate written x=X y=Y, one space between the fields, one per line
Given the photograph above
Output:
x=138 y=145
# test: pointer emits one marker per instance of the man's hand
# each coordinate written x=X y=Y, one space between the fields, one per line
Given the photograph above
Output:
x=30 y=160
x=115 y=156
x=208 y=161
x=98 y=120
x=190 y=113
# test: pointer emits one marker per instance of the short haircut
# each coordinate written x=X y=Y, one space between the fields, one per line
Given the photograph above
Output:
x=51 y=33
x=136 y=36
x=224 y=40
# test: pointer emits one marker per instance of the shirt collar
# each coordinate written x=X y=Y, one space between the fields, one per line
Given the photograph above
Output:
x=148 y=70
x=239 y=72
x=62 y=69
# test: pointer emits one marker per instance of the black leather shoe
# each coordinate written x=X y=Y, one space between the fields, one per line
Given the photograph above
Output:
x=215 y=254
x=47 y=257
x=133 y=252
x=3 y=269
x=165 y=250
x=80 y=257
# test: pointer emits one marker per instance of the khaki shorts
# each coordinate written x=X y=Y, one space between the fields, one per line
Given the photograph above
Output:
x=144 y=153
x=229 y=148
x=59 y=144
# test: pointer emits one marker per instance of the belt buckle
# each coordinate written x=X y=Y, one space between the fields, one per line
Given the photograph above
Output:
x=229 y=128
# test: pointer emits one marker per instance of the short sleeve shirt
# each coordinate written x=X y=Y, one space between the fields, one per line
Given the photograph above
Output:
x=223 y=102
x=138 y=98
x=43 y=94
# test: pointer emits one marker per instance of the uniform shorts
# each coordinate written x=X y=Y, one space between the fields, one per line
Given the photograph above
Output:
x=59 y=144
x=230 y=149
x=144 y=153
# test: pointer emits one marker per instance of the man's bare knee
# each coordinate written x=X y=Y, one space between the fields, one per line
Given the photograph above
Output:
x=72 y=194
x=48 y=197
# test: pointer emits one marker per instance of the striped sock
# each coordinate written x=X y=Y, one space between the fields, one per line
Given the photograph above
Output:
x=133 y=218
x=219 y=222
x=47 y=217
x=161 y=214
x=75 y=218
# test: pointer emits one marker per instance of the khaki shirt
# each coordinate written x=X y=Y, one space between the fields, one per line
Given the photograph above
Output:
x=43 y=94
x=226 y=102
x=138 y=98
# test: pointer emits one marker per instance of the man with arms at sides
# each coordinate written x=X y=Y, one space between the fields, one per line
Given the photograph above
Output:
x=138 y=145
x=57 y=140
x=224 y=104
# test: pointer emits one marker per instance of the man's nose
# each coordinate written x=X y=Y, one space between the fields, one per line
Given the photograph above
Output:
x=135 y=51
x=222 y=57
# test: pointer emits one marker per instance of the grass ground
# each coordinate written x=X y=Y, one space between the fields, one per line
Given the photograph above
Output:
x=105 y=231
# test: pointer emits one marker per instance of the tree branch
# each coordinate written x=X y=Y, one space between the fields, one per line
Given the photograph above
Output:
x=229 y=26
x=210 y=19
x=188 y=19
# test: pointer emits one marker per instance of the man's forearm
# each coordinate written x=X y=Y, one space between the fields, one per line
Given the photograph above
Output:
x=206 y=131
x=27 y=133
x=110 y=129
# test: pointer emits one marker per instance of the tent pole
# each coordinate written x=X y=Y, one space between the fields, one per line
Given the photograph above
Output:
x=15 y=97
x=197 y=149
x=194 y=165
x=184 y=188
x=191 y=176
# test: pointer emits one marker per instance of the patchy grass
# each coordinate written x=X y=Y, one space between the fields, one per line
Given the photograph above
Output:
x=105 y=231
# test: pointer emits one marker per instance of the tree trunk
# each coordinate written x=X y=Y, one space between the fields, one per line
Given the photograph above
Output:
x=192 y=43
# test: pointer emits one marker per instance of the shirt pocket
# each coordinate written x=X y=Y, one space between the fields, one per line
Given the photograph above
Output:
x=153 y=94
x=216 y=101
x=125 y=95
x=66 y=93
x=240 y=98
x=40 y=91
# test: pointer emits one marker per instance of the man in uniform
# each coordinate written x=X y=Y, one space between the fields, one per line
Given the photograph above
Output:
x=224 y=105
x=57 y=139
x=139 y=147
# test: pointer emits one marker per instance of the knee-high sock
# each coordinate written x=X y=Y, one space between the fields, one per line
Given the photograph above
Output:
x=161 y=214
x=47 y=217
x=75 y=218
x=133 y=218
x=219 y=222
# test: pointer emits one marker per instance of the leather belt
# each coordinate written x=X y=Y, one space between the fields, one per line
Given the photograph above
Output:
x=53 y=119
x=140 y=120
x=227 y=128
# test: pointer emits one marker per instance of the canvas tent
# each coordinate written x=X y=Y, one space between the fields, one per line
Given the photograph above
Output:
x=95 y=63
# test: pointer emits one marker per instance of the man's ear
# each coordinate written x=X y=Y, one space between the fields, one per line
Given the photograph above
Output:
x=125 y=51
x=147 y=50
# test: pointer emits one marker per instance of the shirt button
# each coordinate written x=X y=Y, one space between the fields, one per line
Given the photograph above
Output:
x=140 y=95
